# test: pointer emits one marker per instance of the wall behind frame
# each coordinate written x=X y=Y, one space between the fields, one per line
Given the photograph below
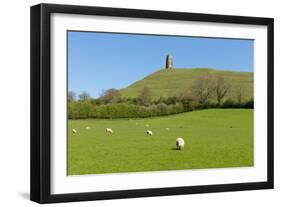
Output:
x=14 y=104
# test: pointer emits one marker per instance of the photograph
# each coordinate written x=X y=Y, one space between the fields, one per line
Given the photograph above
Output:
x=151 y=102
x=132 y=103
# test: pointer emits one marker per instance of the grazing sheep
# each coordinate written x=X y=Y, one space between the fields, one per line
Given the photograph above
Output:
x=149 y=132
x=74 y=131
x=109 y=131
x=88 y=127
x=179 y=143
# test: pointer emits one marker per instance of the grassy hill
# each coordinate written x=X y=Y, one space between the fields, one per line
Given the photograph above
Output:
x=170 y=82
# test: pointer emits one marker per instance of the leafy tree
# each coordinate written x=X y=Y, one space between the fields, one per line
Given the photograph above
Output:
x=249 y=103
x=229 y=103
x=162 y=108
x=72 y=110
x=111 y=96
x=145 y=97
x=187 y=99
x=172 y=100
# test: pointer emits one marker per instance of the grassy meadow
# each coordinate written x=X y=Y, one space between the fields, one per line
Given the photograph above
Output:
x=214 y=138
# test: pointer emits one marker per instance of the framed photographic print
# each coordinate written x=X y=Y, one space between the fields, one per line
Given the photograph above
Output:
x=133 y=103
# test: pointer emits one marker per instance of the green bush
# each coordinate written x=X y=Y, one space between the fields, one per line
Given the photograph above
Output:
x=249 y=104
x=130 y=108
x=229 y=103
x=87 y=109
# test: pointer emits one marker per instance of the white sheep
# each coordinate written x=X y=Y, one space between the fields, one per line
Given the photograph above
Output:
x=109 y=131
x=149 y=132
x=74 y=131
x=179 y=143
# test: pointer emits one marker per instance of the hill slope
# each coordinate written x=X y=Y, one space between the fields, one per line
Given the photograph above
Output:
x=171 y=82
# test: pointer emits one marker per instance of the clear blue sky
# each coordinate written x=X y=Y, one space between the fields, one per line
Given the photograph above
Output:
x=99 y=61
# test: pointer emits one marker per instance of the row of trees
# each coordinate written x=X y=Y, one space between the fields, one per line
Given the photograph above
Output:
x=111 y=104
x=85 y=109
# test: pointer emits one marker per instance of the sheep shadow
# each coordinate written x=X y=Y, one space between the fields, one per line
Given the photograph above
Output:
x=174 y=148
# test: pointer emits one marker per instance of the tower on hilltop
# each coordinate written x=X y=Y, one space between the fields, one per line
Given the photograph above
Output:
x=169 y=62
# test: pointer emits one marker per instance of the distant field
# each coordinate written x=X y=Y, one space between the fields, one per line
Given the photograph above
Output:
x=215 y=138
x=170 y=82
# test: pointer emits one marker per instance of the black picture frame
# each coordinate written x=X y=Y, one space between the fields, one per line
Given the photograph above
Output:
x=40 y=184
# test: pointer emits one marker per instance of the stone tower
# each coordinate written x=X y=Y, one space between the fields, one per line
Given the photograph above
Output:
x=169 y=62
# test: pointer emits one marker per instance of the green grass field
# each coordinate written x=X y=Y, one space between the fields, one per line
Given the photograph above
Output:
x=170 y=82
x=214 y=138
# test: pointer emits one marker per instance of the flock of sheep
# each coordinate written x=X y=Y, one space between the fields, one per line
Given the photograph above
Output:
x=179 y=140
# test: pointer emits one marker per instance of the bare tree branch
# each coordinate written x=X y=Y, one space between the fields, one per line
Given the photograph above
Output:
x=221 y=89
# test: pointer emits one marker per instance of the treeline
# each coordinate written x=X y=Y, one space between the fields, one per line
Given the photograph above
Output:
x=111 y=104
x=85 y=109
